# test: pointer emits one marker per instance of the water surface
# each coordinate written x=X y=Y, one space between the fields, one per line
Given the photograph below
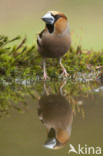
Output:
x=45 y=118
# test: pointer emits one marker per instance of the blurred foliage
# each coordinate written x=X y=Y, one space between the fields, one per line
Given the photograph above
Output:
x=12 y=97
x=16 y=95
x=20 y=61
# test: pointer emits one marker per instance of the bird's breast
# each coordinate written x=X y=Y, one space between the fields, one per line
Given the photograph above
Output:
x=55 y=46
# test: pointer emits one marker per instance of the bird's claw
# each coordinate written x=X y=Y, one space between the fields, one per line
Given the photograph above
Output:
x=65 y=74
x=45 y=76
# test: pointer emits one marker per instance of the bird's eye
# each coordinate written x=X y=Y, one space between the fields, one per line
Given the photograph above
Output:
x=57 y=17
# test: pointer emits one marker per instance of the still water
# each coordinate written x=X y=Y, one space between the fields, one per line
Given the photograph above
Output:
x=46 y=118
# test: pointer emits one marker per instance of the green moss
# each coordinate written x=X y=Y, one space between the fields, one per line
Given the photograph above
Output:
x=21 y=61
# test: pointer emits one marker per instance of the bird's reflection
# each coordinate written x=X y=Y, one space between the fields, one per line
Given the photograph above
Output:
x=56 y=114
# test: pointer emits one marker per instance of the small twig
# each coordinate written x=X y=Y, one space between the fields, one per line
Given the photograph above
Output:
x=21 y=44
x=9 y=41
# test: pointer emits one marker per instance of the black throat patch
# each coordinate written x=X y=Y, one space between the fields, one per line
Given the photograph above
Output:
x=50 y=27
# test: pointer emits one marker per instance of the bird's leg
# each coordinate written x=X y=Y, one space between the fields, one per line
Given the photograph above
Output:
x=64 y=70
x=61 y=87
x=45 y=89
x=45 y=76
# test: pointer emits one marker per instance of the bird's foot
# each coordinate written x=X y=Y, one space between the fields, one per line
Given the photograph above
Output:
x=45 y=76
x=64 y=73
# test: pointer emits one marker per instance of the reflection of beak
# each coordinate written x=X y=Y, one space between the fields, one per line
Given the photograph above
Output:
x=53 y=144
x=50 y=143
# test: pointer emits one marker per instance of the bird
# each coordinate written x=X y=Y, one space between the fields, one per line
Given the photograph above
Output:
x=55 y=113
x=54 y=40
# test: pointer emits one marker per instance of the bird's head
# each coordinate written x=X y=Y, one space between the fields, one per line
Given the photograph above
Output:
x=55 y=20
x=57 y=139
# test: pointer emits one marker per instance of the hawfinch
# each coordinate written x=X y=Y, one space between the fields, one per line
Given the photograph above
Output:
x=54 y=41
x=56 y=114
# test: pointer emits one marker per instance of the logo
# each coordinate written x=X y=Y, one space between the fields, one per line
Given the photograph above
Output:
x=85 y=150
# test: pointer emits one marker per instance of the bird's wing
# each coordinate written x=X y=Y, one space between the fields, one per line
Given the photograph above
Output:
x=39 y=38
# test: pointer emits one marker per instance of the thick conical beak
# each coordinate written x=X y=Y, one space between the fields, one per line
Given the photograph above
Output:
x=53 y=144
x=48 y=18
x=50 y=143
